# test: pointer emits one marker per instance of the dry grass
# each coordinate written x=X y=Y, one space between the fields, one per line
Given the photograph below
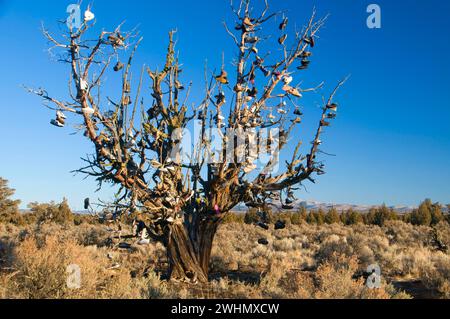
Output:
x=301 y=261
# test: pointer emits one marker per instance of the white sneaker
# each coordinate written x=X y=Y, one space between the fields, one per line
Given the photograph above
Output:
x=288 y=80
x=83 y=85
x=61 y=115
x=88 y=110
x=88 y=15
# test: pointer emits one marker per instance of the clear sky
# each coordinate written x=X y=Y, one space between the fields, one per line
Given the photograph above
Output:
x=391 y=139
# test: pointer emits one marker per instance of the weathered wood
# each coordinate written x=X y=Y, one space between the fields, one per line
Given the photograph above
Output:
x=189 y=257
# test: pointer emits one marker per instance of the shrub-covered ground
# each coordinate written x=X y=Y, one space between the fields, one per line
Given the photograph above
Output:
x=301 y=261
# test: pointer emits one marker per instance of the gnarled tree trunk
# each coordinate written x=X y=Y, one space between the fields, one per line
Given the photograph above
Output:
x=189 y=249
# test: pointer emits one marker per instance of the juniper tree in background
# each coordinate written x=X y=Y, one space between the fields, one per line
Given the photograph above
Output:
x=447 y=216
x=52 y=212
x=135 y=138
x=427 y=214
x=332 y=216
x=9 y=208
x=436 y=213
x=379 y=215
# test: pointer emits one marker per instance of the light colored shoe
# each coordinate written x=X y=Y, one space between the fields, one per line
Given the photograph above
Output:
x=288 y=80
x=89 y=15
x=88 y=110
x=84 y=85
x=171 y=168
x=61 y=115
x=292 y=91
x=144 y=242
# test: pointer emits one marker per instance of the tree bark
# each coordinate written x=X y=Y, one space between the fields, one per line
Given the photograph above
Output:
x=189 y=250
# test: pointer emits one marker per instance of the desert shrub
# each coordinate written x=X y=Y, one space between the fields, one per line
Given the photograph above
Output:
x=40 y=272
x=79 y=219
x=335 y=281
x=29 y=218
x=9 y=208
x=296 y=219
x=436 y=215
x=447 y=215
x=442 y=233
x=227 y=288
x=234 y=218
x=436 y=274
x=251 y=216
x=332 y=247
x=299 y=284
x=6 y=249
x=407 y=235
x=283 y=216
x=90 y=235
x=270 y=283
x=362 y=248
x=52 y=212
x=285 y=244
x=154 y=288
x=9 y=230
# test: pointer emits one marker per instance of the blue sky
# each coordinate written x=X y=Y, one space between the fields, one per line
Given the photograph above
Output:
x=391 y=139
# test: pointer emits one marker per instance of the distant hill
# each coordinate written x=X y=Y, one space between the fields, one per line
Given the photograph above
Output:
x=326 y=206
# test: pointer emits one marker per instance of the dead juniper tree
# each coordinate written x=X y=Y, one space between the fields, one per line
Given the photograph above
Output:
x=137 y=142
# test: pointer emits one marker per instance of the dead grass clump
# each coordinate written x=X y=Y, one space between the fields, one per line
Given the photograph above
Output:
x=442 y=231
x=90 y=235
x=436 y=274
x=404 y=234
x=334 y=280
x=333 y=246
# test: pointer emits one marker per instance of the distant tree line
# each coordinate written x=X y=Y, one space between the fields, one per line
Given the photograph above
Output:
x=52 y=212
x=427 y=214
